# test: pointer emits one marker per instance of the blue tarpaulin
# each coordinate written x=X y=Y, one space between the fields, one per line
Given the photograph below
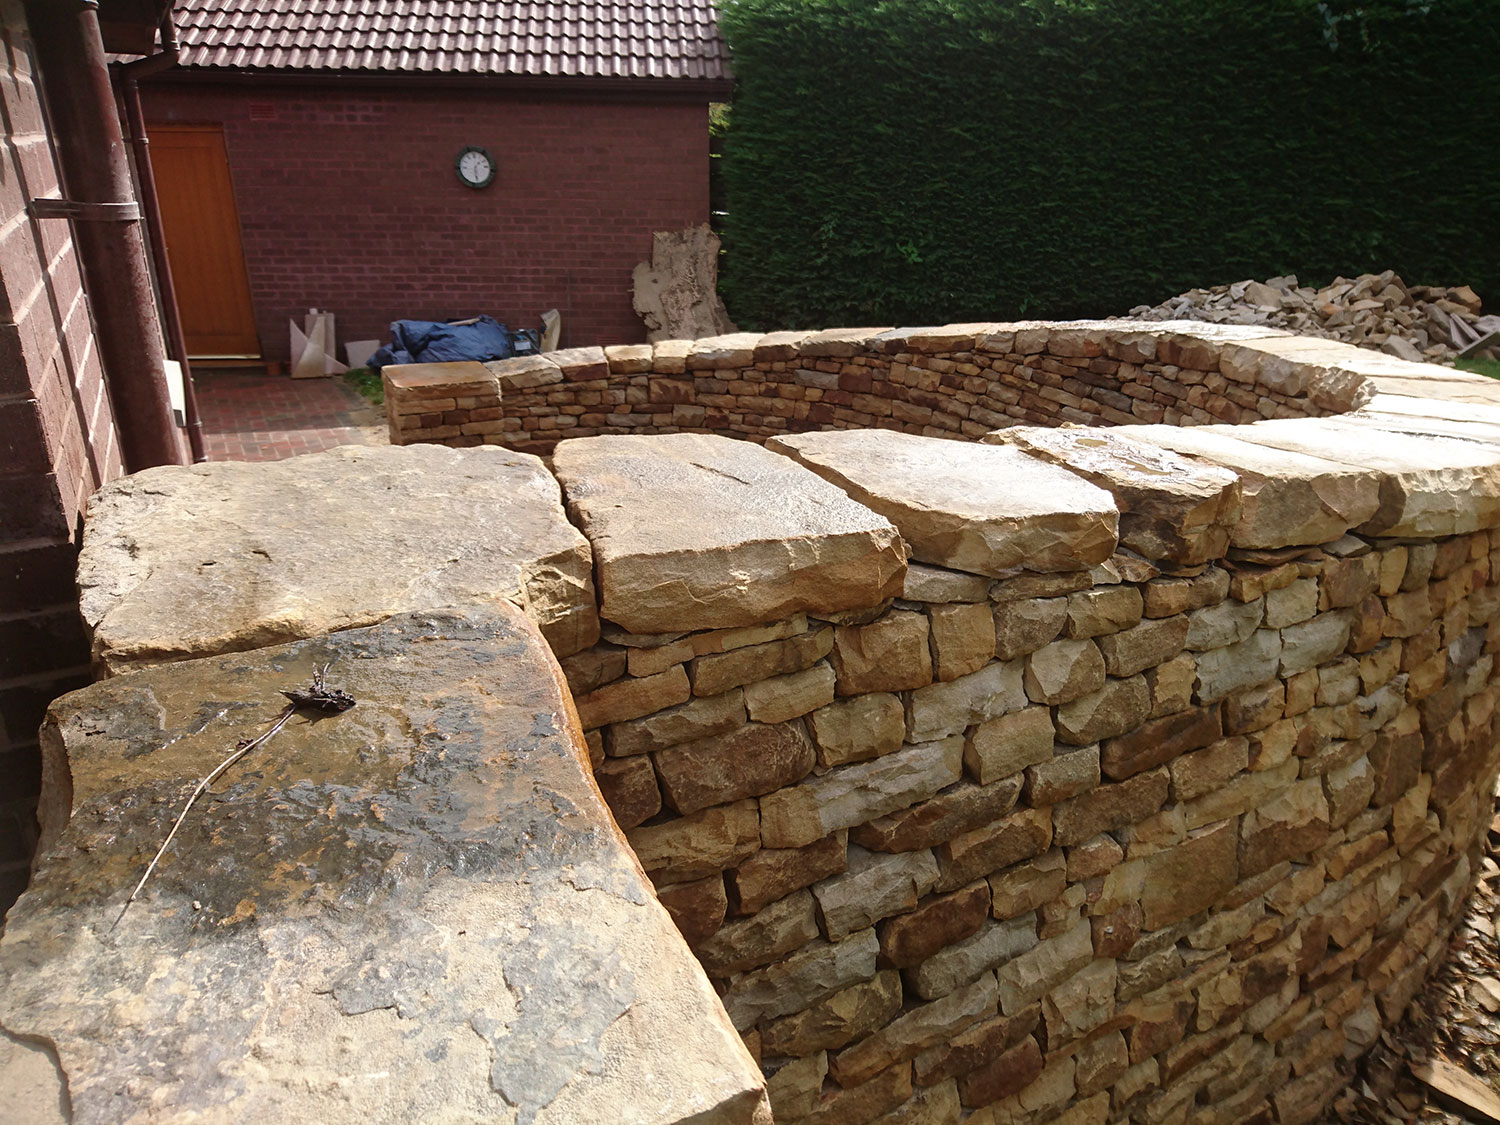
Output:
x=431 y=341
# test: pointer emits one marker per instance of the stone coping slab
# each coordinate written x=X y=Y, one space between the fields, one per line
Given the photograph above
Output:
x=415 y=910
x=223 y=557
x=1429 y=486
x=985 y=509
x=696 y=531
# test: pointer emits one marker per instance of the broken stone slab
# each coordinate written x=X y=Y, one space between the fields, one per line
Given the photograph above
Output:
x=1287 y=499
x=977 y=508
x=1429 y=487
x=430 y=875
x=696 y=531
x=1170 y=507
x=228 y=556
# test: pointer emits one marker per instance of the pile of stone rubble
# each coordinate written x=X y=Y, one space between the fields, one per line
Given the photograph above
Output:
x=1431 y=323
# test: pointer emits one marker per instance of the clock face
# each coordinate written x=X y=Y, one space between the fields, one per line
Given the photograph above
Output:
x=476 y=167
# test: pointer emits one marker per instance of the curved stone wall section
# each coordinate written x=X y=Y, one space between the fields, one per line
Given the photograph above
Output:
x=1129 y=774
x=954 y=381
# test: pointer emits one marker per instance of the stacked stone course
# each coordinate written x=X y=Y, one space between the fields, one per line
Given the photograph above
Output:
x=1068 y=774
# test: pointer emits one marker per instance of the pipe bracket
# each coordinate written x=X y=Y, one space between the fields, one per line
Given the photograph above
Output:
x=85 y=212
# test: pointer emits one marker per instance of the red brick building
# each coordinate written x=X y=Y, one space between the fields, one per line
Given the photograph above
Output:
x=306 y=150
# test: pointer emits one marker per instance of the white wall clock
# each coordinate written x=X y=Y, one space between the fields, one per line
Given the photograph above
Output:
x=476 y=167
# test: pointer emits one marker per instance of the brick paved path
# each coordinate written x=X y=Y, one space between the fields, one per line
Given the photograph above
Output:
x=260 y=417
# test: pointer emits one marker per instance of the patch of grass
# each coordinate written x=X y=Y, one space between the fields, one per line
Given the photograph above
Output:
x=1490 y=367
x=367 y=383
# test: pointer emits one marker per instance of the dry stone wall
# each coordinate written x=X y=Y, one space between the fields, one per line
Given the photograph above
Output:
x=1081 y=774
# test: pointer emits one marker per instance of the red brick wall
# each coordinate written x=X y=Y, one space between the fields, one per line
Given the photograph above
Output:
x=57 y=444
x=348 y=201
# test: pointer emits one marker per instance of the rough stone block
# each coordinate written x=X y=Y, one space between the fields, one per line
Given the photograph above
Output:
x=1025 y=625
x=959 y=808
x=1001 y=747
x=698 y=718
x=1064 y=670
x=787 y=697
x=936 y=922
x=755 y=759
x=1109 y=807
x=963 y=639
x=1143 y=646
x=1119 y=706
x=940 y=710
x=891 y=654
x=629 y=788
x=1020 y=835
x=875 y=886
x=1106 y=609
x=807 y=976
x=857 y=729
x=841 y=1018
x=1160 y=740
x=748 y=943
x=693 y=847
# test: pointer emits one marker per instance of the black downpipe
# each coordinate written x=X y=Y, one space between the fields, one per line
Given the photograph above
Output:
x=135 y=120
x=112 y=252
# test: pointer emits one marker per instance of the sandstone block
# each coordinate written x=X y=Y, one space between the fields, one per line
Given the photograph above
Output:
x=1171 y=684
x=1227 y=623
x=938 y=586
x=773 y=873
x=748 y=943
x=963 y=639
x=975 y=1046
x=860 y=792
x=579 y=365
x=697 y=908
x=593 y=668
x=696 y=719
x=1066 y=775
x=805 y=977
x=631 y=698
x=849 y=1014
x=957 y=965
x=1224 y=671
x=1063 y=671
x=875 y=886
x=1031 y=975
x=1167 y=597
x=1001 y=747
x=857 y=729
x=890 y=654
x=959 y=808
x=629 y=788
x=1021 y=835
x=786 y=697
x=717 y=673
x=755 y=759
x=1160 y=740
x=1106 y=609
x=1201 y=773
x=1192 y=876
x=908 y=1035
x=941 y=710
x=1116 y=708
x=936 y=922
x=1025 y=625
x=883 y=1094
x=1291 y=604
x=1109 y=807
x=1170 y=507
x=223 y=557
x=1313 y=642
x=1026 y=886
x=1083 y=1002
x=693 y=847
x=976 y=508
x=1286 y=827
x=1143 y=646
x=693 y=531
x=1004 y=1077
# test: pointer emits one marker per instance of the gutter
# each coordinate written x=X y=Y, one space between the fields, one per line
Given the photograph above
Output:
x=100 y=204
x=130 y=74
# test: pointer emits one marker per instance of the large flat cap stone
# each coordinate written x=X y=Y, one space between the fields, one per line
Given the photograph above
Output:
x=415 y=910
x=1288 y=499
x=223 y=557
x=1170 y=507
x=987 y=509
x=1428 y=486
x=692 y=531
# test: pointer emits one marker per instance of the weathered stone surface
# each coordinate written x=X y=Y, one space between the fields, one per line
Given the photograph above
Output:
x=1227 y=623
x=1117 y=707
x=807 y=976
x=857 y=729
x=750 y=942
x=875 y=886
x=1107 y=609
x=1038 y=971
x=786 y=697
x=1143 y=646
x=1311 y=643
x=977 y=508
x=1192 y=876
x=795 y=1085
x=939 y=710
x=1291 y=604
x=975 y=1046
x=1160 y=740
x=697 y=908
x=957 y=809
x=1109 y=807
x=939 y=921
x=717 y=673
x=890 y=654
x=1070 y=772
x=1003 y=1077
x=692 y=847
x=772 y=873
x=858 y=793
x=629 y=788
x=693 y=531
x=1170 y=507
x=938 y=586
x=1288 y=498
x=698 y=718
x=1165 y=597
x=839 y=1019
x=222 y=557
x=1020 y=835
x=956 y=965
x=676 y=292
x=755 y=759
x=1025 y=625
x=632 y=698
x=1252 y=662
x=963 y=639
x=1063 y=671
x=1001 y=747
x=319 y=897
x=1028 y=885
x=906 y=1036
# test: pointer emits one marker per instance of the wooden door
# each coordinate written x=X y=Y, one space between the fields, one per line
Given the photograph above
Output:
x=202 y=229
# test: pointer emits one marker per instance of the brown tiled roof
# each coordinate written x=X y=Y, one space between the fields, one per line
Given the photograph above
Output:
x=528 y=38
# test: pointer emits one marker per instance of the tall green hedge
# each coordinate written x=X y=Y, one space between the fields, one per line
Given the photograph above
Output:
x=906 y=161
